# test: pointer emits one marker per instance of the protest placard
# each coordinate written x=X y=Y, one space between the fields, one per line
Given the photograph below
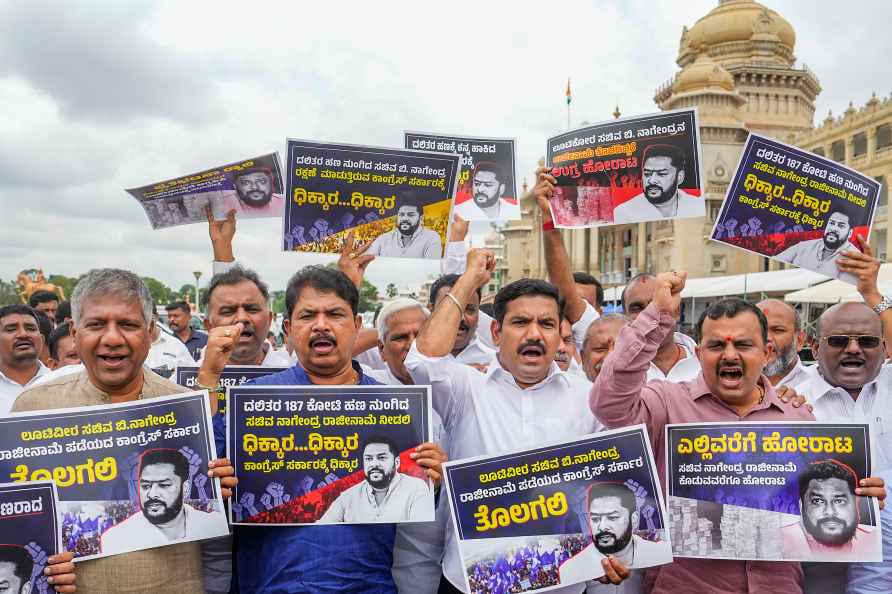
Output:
x=232 y=375
x=252 y=187
x=329 y=454
x=628 y=170
x=486 y=181
x=399 y=200
x=130 y=476
x=771 y=491
x=796 y=207
x=29 y=534
x=541 y=518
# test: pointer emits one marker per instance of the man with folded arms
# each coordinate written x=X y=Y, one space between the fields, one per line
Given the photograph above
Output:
x=732 y=349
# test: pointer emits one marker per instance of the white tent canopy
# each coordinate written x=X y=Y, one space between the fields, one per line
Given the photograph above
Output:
x=775 y=281
x=836 y=291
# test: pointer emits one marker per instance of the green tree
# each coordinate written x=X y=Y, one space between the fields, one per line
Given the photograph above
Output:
x=278 y=302
x=368 y=297
x=66 y=282
x=160 y=292
x=8 y=293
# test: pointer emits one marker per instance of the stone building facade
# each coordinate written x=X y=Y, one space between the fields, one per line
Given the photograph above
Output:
x=737 y=66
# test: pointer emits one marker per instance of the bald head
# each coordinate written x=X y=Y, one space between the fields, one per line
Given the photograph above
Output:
x=781 y=309
x=599 y=340
x=639 y=292
x=857 y=363
x=830 y=320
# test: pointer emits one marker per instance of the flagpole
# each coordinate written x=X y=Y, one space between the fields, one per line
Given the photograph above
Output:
x=569 y=98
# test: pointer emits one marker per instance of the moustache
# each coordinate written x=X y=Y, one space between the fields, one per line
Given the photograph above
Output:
x=463 y=326
x=323 y=336
x=650 y=187
x=730 y=367
x=605 y=533
x=537 y=345
x=154 y=501
x=23 y=341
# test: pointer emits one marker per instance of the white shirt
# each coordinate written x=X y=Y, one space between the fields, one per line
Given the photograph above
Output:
x=476 y=352
x=685 y=369
x=10 y=389
x=371 y=358
x=641 y=553
x=469 y=211
x=488 y=413
x=408 y=499
x=873 y=406
x=168 y=351
x=807 y=254
x=639 y=209
x=418 y=548
x=59 y=372
x=136 y=532
x=272 y=358
x=796 y=377
x=455 y=262
x=424 y=243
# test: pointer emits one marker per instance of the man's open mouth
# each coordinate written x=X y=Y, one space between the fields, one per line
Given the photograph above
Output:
x=730 y=376
x=113 y=361
x=531 y=352
x=322 y=345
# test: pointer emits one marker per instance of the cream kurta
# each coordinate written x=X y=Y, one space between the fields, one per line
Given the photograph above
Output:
x=175 y=568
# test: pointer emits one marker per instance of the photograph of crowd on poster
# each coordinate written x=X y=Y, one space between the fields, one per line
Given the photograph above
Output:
x=627 y=170
x=329 y=455
x=130 y=476
x=796 y=207
x=538 y=519
x=771 y=491
x=486 y=181
x=29 y=534
x=252 y=188
x=397 y=200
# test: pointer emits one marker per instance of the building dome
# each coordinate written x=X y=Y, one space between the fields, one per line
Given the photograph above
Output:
x=738 y=21
x=703 y=74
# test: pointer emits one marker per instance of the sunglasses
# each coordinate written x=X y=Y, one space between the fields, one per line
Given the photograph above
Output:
x=841 y=341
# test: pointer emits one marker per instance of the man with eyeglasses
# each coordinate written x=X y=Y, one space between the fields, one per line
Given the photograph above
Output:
x=850 y=383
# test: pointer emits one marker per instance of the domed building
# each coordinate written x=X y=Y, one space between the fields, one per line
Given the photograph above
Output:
x=737 y=66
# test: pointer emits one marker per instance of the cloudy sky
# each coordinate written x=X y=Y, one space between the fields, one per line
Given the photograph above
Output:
x=100 y=96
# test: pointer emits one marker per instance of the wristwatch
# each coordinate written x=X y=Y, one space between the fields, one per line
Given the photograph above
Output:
x=883 y=305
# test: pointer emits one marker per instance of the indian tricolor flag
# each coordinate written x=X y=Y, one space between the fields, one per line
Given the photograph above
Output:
x=568 y=94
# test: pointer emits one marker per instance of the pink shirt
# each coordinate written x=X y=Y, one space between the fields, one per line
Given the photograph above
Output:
x=621 y=396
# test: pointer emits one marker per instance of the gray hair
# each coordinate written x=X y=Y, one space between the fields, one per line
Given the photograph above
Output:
x=111 y=281
x=611 y=318
x=394 y=307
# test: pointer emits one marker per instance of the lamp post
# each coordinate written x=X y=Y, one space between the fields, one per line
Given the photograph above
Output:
x=197 y=275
